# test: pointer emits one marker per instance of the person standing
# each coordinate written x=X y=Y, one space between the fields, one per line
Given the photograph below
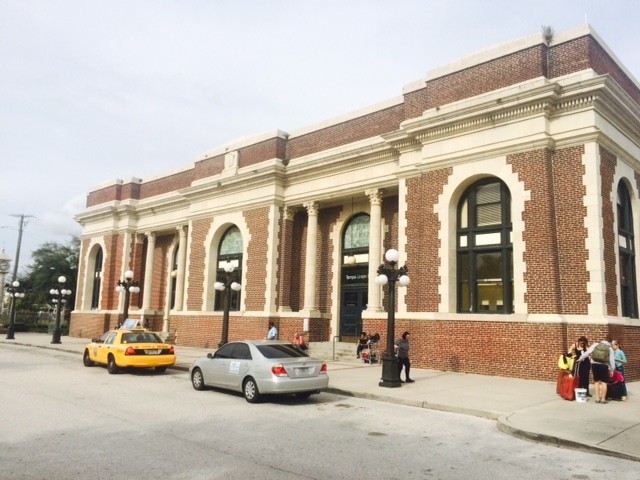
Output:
x=602 y=366
x=621 y=361
x=584 y=367
x=402 y=347
x=273 y=331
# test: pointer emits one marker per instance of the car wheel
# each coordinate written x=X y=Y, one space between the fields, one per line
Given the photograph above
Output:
x=161 y=369
x=303 y=395
x=112 y=366
x=197 y=380
x=86 y=359
x=251 y=392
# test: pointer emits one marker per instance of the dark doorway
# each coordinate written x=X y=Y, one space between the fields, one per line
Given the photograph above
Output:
x=354 y=301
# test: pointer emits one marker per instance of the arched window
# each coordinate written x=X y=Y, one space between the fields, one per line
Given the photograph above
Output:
x=229 y=250
x=484 y=249
x=628 y=294
x=355 y=242
x=97 y=280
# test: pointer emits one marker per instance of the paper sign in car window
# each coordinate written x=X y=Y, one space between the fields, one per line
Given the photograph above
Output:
x=234 y=367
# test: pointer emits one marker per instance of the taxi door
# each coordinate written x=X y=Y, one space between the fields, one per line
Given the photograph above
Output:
x=238 y=366
x=101 y=350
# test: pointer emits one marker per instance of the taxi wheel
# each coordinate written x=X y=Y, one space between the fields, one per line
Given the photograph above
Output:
x=250 y=389
x=161 y=369
x=112 y=366
x=86 y=359
x=197 y=380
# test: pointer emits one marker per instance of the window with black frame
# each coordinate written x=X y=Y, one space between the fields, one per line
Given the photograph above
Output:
x=97 y=280
x=626 y=251
x=229 y=250
x=484 y=249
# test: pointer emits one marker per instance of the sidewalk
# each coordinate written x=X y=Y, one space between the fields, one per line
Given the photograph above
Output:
x=524 y=408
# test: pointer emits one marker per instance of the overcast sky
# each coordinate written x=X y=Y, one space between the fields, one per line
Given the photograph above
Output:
x=96 y=90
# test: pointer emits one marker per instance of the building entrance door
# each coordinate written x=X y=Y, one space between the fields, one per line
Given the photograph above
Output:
x=354 y=301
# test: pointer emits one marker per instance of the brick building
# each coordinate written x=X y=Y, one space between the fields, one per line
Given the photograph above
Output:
x=508 y=181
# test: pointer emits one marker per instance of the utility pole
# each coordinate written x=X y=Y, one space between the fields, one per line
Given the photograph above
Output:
x=22 y=216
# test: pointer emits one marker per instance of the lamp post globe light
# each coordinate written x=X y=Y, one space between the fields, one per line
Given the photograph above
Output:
x=14 y=291
x=127 y=286
x=59 y=295
x=389 y=275
x=226 y=287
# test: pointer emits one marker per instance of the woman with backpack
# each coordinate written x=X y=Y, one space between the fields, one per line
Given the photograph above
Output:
x=602 y=366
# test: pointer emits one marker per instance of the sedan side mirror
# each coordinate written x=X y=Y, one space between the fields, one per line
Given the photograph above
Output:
x=209 y=355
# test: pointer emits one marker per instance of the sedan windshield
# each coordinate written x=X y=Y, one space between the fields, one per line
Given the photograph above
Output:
x=280 y=350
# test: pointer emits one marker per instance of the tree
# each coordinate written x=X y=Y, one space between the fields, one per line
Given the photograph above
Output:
x=50 y=261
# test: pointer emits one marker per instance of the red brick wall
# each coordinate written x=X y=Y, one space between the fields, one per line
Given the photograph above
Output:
x=485 y=77
x=367 y=126
x=609 y=235
x=161 y=269
x=195 y=290
x=327 y=219
x=299 y=258
x=569 y=192
x=256 y=275
x=542 y=276
x=506 y=349
x=262 y=151
x=423 y=243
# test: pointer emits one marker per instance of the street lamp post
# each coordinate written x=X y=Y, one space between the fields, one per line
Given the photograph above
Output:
x=388 y=274
x=59 y=294
x=226 y=287
x=128 y=286
x=14 y=291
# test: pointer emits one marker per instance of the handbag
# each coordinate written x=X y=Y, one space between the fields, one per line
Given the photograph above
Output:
x=565 y=362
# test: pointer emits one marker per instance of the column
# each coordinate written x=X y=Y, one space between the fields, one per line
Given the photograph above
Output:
x=182 y=262
x=286 y=255
x=375 y=248
x=312 y=248
x=148 y=271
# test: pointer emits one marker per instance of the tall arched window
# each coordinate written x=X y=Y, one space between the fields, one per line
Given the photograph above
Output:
x=355 y=243
x=97 y=280
x=229 y=250
x=484 y=249
x=628 y=294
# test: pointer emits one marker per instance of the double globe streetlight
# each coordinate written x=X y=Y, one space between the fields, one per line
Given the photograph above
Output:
x=127 y=286
x=226 y=287
x=14 y=291
x=389 y=275
x=59 y=294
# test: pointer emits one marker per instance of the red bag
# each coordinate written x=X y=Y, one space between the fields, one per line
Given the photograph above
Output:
x=568 y=386
x=561 y=375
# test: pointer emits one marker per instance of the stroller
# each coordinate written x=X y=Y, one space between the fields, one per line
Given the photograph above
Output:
x=371 y=354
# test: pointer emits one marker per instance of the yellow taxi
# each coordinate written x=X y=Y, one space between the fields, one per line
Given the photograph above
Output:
x=125 y=348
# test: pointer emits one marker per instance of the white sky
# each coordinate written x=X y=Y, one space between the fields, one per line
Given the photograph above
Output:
x=94 y=90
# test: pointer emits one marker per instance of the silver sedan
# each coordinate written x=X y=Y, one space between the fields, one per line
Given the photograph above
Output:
x=260 y=367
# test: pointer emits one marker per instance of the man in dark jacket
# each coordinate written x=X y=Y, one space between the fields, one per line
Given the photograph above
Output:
x=402 y=347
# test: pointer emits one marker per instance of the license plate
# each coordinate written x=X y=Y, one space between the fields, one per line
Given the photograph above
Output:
x=152 y=352
x=303 y=371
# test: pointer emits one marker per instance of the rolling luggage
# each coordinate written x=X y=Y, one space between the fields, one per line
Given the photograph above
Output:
x=614 y=391
x=569 y=384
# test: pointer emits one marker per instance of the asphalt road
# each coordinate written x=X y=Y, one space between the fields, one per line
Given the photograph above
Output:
x=61 y=420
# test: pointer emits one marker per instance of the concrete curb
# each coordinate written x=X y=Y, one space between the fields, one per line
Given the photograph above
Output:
x=504 y=427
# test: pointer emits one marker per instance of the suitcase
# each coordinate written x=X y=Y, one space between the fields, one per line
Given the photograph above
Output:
x=561 y=375
x=614 y=391
x=569 y=383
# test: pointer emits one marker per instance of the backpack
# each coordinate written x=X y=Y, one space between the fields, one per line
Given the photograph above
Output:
x=601 y=353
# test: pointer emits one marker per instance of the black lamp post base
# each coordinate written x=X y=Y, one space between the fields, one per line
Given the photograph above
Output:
x=56 y=336
x=10 y=335
x=390 y=375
